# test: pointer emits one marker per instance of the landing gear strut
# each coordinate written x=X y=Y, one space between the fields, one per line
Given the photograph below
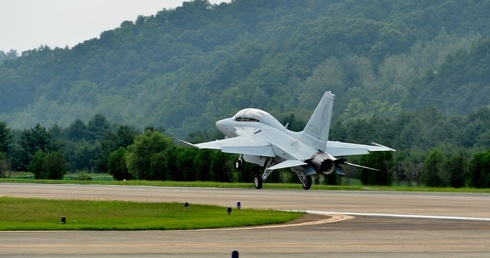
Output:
x=260 y=179
x=239 y=163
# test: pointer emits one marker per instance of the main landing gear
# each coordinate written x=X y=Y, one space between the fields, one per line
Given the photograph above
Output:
x=305 y=179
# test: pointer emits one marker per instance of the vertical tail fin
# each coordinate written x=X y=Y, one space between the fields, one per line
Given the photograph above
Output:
x=318 y=126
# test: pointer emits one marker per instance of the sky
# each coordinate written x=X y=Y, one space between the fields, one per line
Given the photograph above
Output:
x=29 y=24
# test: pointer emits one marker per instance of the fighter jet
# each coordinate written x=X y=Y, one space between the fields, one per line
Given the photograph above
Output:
x=261 y=139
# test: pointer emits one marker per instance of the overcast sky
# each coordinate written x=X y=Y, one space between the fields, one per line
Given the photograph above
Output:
x=28 y=24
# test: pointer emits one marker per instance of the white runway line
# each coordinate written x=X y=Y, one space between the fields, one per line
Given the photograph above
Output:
x=408 y=216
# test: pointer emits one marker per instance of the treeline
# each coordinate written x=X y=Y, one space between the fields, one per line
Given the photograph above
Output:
x=433 y=149
x=453 y=160
x=12 y=54
x=378 y=57
x=99 y=146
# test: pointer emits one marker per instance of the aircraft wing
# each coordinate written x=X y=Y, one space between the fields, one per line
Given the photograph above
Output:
x=336 y=148
x=238 y=145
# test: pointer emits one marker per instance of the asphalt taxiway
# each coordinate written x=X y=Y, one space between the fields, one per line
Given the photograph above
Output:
x=342 y=223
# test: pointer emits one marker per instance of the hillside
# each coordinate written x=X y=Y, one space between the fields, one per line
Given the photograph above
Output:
x=183 y=69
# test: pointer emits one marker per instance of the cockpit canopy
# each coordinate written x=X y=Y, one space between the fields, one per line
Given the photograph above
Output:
x=250 y=115
x=256 y=115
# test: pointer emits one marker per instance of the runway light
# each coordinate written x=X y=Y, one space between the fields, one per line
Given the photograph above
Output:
x=234 y=254
x=229 y=210
x=63 y=220
x=238 y=205
x=186 y=205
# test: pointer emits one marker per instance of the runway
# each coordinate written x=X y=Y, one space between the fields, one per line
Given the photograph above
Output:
x=372 y=224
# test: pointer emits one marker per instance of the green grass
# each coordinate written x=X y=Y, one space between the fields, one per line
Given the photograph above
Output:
x=41 y=214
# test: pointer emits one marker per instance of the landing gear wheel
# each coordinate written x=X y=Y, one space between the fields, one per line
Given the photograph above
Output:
x=258 y=181
x=307 y=183
x=239 y=164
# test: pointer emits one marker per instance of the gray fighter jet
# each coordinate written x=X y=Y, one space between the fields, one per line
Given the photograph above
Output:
x=261 y=139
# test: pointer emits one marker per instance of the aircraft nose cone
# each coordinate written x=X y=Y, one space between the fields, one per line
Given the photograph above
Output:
x=223 y=125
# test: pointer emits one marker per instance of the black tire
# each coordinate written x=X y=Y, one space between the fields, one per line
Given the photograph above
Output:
x=258 y=182
x=307 y=184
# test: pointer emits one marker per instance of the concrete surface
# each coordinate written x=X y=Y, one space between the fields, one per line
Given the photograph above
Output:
x=429 y=225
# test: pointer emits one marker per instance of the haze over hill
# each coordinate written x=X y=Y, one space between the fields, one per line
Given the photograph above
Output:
x=183 y=69
x=52 y=22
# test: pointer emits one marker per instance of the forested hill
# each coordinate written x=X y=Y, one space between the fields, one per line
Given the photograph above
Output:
x=182 y=69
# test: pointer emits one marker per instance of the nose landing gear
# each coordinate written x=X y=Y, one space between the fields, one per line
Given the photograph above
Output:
x=239 y=163
x=258 y=181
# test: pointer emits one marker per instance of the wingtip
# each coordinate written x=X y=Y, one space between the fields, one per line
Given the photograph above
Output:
x=188 y=143
x=380 y=145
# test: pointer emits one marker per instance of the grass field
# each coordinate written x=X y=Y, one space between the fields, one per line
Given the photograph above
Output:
x=41 y=214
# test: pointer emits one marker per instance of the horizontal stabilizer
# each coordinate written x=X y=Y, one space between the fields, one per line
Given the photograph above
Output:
x=336 y=148
x=359 y=166
x=383 y=148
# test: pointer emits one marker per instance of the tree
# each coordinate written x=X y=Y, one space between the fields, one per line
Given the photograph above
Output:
x=54 y=165
x=20 y=158
x=116 y=165
x=381 y=160
x=184 y=162
x=451 y=167
x=432 y=168
x=77 y=131
x=158 y=165
x=82 y=155
x=38 y=138
x=3 y=165
x=201 y=165
x=36 y=165
x=140 y=152
x=48 y=166
x=98 y=127
x=5 y=138
x=173 y=171
x=455 y=167
x=123 y=137
x=220 y=166
x=31 y=141
x=479 y=170
x=409 y=166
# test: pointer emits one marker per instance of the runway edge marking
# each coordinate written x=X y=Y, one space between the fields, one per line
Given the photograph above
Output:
x=407 y=216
